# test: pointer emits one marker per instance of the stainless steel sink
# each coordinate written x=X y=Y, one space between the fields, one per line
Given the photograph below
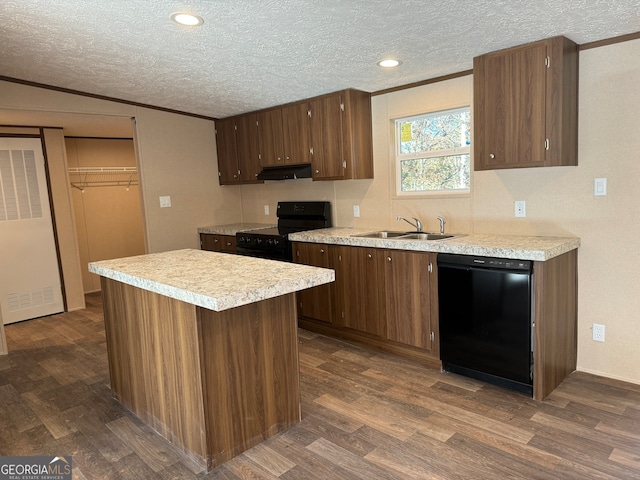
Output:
x=425 y=236
x=381 y=234
x=404 y=235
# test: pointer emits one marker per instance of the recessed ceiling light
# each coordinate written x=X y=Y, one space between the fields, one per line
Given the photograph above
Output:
x=187 y=19
x=389 y=63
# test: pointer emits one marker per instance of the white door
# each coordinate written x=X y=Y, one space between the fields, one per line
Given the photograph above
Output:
x=29 y=274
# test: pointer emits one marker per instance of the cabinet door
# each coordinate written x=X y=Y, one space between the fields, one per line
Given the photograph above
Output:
x=270 y=138
x=210 y=242
x=326 y=138
x=357 y=136
x=247 y=147
x=511 y=103
x=316 y=302
x=227 y=152
x=295 y=134
x=359 y=289
x=228 y=243
x=408 y=288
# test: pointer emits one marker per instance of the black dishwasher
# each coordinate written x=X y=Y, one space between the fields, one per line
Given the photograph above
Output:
x=486 y=319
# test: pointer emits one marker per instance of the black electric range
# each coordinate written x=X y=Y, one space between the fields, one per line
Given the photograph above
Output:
x=273 y=243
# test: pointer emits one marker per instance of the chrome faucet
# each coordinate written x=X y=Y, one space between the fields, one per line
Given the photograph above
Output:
x=442 y=222
x=417 y=225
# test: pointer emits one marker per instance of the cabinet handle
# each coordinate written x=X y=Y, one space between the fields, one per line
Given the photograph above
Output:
x=228 y=244
x=216 y=241
x=317 y=171
x=322 y=250
x=369 y=255
x=388 y=259
x=491 y=155
x=287 y=158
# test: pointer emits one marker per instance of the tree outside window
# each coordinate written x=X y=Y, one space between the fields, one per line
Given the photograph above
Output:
x=433 y=152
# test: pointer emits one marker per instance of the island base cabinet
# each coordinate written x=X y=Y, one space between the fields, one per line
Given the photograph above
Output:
x=250 y=374
x=213 y=383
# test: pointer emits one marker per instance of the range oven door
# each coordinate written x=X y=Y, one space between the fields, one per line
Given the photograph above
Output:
x=486 y=319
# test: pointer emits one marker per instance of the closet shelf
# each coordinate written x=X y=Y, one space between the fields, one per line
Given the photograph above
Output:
x=83 y=177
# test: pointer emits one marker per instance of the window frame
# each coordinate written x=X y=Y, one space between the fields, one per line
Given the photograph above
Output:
x=400 y=157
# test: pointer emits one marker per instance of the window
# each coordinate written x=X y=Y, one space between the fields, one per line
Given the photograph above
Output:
x=433 y=153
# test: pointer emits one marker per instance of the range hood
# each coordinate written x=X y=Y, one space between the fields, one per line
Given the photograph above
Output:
x=285 y=172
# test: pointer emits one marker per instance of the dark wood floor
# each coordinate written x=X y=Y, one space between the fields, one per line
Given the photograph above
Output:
x=365 y=415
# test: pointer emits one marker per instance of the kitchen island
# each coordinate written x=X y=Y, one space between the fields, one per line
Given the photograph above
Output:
x=203 y=346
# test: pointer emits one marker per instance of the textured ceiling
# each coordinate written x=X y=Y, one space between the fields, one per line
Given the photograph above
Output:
x=252 y=54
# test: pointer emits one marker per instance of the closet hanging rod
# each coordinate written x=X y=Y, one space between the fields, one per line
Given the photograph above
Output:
x=102 y=170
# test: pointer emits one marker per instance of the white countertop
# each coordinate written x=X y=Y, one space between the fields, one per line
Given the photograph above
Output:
x=217 y=281
x=233 y=228
x=503 y=246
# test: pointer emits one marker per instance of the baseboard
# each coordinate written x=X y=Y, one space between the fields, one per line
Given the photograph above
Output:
x=635 y=381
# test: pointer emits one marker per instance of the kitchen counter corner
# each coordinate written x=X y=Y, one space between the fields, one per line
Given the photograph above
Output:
x=216 y=281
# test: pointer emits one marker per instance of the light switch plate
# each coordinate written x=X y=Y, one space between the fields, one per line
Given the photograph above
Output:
x=520 y=208
x=165 y=201
x=600 y=187
x=356 y=211
x=266 y=209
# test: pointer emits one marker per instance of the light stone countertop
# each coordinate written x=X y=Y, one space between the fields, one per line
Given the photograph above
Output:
x=233 y=228
x=217 y=281
x=502 y=246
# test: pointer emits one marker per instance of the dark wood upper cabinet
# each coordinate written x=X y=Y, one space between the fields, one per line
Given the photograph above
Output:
x=284 y=135
x=295 y=133
x=270 y=138
x=227 y=153
x=237 y=147
x=247 y=147
x=326 y=138
x=526 y=106
x=341 y=138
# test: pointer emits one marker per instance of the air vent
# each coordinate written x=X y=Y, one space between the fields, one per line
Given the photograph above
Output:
x=29 y=299
x=19 y=193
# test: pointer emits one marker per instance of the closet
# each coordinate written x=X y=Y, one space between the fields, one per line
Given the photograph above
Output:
x=104 y=181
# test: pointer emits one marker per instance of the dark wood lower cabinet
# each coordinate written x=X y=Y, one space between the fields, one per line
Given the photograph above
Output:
x=359 y=289
x=409 y=298
x=388 y=300
x=316 y=302
x=218 y=243
x=387 y=305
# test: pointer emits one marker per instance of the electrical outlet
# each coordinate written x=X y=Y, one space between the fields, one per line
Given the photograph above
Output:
x=266 y=209
x=165 y=201
x=356 y=211
x=598 y=332
x=520 y=208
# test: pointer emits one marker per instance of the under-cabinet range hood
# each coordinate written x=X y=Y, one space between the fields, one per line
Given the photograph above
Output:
x=285 y=172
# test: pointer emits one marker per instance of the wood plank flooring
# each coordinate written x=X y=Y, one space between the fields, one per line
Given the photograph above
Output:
x=365 y=415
